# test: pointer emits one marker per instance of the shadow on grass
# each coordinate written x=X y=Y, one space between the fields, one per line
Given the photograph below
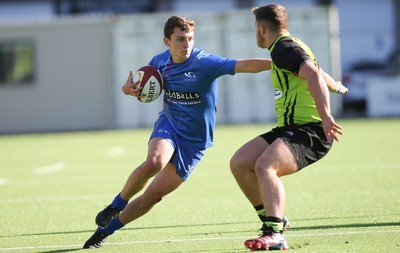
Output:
x=301 y=228
x=294 y=228
x=238 y=250
x=59 y=251
x=353 y=225
x=321 y=227
x=133 y=228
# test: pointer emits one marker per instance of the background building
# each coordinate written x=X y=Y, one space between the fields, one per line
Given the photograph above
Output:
x=62 y=62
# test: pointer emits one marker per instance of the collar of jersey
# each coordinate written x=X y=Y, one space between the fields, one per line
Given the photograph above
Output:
x=277 y=39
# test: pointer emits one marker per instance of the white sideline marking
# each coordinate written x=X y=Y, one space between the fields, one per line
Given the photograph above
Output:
x=195 y=239
x=3 y=181
x=115 y=151
x=55 y=199
x=55 y=167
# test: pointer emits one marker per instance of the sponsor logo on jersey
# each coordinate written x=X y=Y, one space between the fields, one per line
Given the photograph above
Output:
x=182 y=95
x=277 y=94
x=191 y=77
x=183 y=98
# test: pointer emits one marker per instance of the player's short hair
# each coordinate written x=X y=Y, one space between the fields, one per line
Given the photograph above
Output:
x=182 y=23
x=274 y=15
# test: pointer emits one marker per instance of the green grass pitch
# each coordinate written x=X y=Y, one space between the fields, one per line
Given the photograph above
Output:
x=53 y=185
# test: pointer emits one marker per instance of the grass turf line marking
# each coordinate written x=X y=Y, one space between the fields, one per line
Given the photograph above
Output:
x=3 y=181
x=115 y=152
x=56 y=199
x=195 y=239
x=52 y=168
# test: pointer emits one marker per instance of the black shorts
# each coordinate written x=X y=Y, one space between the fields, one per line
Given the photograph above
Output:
x=307 y=142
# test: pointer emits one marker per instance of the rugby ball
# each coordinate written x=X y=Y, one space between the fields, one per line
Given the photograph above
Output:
x=151 y=82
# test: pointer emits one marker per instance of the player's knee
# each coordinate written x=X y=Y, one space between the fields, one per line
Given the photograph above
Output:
x=262 y=168
x=155 y=199
x=152 y=167
x=237 y=165
x=233 y=164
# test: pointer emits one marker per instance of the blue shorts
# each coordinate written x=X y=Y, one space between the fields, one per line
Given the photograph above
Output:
x=186 y=155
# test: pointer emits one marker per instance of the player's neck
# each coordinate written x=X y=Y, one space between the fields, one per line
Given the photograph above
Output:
x=273 y=36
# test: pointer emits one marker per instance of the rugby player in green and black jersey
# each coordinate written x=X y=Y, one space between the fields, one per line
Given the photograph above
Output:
x=305 y=131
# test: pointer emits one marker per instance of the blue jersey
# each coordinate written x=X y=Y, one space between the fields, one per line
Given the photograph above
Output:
x=191 y=93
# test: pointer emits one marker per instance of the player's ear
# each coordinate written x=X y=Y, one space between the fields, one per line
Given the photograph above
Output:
x=263 y=28
x=166 y=42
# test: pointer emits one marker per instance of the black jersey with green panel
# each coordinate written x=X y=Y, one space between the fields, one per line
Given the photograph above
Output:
x=294 y=104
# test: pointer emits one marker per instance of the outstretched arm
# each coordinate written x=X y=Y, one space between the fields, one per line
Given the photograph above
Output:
x=253 y=65
x=334 y=86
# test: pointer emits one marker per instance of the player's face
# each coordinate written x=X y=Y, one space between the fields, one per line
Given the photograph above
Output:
x=259 y=35
x=180 y=45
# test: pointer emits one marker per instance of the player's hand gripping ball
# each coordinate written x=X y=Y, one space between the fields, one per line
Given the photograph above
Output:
x=151 y=82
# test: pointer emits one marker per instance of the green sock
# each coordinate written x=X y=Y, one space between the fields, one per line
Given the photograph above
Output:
x=260 y=212
x=273 y=224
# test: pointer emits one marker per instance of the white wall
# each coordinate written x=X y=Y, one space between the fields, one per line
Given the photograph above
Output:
x=72 y=86
x=383 y=94
x=367 y=30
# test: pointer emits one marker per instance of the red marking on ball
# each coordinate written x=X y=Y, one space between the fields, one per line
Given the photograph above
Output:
x=151 y=82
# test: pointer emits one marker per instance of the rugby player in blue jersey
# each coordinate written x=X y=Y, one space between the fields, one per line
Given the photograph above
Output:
x=183 y=130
